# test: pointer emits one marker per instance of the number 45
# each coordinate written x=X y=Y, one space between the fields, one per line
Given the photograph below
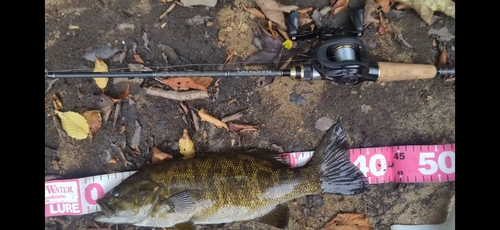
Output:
x=427 y=159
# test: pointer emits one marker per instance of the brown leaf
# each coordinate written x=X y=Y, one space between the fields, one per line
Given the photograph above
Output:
x=94 y=119
x=57 y=103
x=124 y=94
x=255 y=12
x=204 y=116
x=114 y=160
x=159 y=156
x=270 y=29
x=401 y=6
x=304 y=19
x=105 y=105
x=382 y=28
x=55 y=164
x=237 y=128
x=274 y=11
x=123 y=129
x=385 y=4
x=338 y=5
x=348 y=221
x=138 y=59
x=204 y=81
x=305 y=10
x=230 y=53
x=443 y=57
x=178 y=83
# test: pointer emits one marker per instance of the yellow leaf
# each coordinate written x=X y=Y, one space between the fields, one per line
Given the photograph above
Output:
x=209 y=118
x=186 y=145
x=287 y=44
x=74 y=124
x=100 y=66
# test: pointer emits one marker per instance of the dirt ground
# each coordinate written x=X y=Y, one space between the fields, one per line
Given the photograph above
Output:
x=406 y=112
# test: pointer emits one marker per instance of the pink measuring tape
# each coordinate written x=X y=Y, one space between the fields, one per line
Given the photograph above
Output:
x=395 y=164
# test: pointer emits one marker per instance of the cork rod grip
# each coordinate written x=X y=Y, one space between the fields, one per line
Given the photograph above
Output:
x=402 y=71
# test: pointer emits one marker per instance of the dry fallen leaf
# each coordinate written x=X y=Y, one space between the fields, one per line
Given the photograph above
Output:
x=229 y=53
x=123 y=129
x=385 y=4
x=370 y=14
x=254 y=11
x=237 y=128
x=57 y=103
x=136 y=138
x=203 y=81
x=304 y=19
x=186 y=145
x=204 y=116
x=179 y=83
x=274 y=11
x=114 y=160
x=338 y=5
x=94 y=120
x=100 y=66
x=159 y=156
x=232 y=117
x=305 y=10
x=138 y=59
x=426 y=8
x=74 y=124
x=124 y=94
x=348 y=221
x=443 y=57
x=105 y=105
x=382 y=28
x=55 y=164
x=165 y=1
x=401 y=6
x=270 y=29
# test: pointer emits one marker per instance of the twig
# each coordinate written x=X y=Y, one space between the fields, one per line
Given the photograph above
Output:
x=168 y=10
x=179 y=96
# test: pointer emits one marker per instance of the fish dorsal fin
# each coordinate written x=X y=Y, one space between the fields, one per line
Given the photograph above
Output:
x=278 y=217
x=180 y=202
x=185 y=226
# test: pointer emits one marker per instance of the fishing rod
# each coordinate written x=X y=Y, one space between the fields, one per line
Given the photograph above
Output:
x=339 y=57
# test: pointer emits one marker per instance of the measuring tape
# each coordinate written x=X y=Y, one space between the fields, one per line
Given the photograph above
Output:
x=395 y=164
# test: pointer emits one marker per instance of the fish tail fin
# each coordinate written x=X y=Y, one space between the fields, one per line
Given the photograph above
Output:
x=338 y=175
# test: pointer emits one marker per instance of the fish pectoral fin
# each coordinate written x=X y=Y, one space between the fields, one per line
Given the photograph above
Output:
x=278 y=217
x=180 y=202
x=185 y=226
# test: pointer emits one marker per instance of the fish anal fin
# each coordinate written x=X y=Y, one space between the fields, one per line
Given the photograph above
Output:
x=278 y=217
x=185 y=226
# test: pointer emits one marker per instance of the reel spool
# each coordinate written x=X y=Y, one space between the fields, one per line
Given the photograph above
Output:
x=342 y=60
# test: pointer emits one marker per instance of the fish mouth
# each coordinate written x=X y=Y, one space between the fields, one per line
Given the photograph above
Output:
x=106 y=210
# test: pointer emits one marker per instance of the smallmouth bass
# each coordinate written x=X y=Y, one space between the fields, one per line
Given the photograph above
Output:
x=229 y=187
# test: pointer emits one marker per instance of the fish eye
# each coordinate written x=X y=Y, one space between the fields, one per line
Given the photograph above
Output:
x=115 y=192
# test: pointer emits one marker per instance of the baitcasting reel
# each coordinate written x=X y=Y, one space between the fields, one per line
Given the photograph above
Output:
x=340 y=56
